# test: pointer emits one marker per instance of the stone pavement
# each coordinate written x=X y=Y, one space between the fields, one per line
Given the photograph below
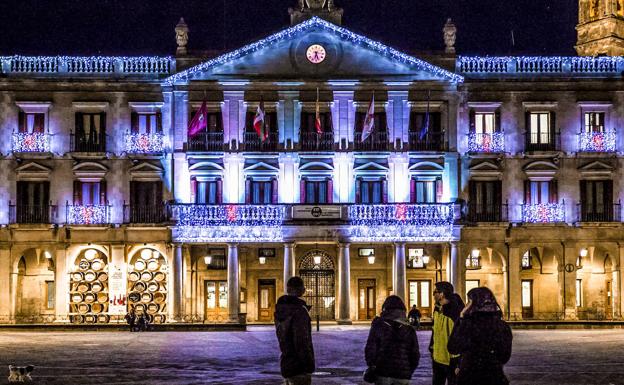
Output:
x=562 y=357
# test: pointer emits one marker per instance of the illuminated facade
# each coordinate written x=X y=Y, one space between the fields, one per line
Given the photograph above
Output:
x=496 y=171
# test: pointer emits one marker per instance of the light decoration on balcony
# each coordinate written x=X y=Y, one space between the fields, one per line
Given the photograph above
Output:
x=401 y=222
x=88 y=64
x=31 y=142
x=304 y=27
x=597 y=141
x=543 y=213
x=540 y=64
x=228 y=223
x=87 y=214
x=488 y=142
x=144 y=143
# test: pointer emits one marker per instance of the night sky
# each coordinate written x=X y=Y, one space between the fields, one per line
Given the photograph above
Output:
x=135 y=27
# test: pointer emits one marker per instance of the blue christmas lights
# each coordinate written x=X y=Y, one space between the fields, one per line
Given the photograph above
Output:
x=144 y=143
x=258 y=233
x=540 y=65
x=302 y=27
x=488 y=142
x=87 y=214
x=228 y=215
x=87 y=64
x=597 y=141
x=543 y=213
x=31 y=142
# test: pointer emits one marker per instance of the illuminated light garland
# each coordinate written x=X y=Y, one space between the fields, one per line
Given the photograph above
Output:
x=87 y=214
x=31 y=142
x=195 y=234
x=400 y=233
x=597 y=141
x=229 y=215
x=303 y=27
x=89 y=64
x=543 y=213
x=143 y=143
x=492 y=142
x=540 y=64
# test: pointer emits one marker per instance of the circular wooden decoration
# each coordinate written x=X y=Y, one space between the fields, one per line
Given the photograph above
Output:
x=569 y=267
x=316 y=53
x=134 y=297
x=84 y=264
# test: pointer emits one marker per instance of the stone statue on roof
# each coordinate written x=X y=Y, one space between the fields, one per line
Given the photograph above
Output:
x=316 y=4
x=450 y=34
x=181 y=31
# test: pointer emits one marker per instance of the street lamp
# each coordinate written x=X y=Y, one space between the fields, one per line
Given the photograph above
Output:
x=579 y=260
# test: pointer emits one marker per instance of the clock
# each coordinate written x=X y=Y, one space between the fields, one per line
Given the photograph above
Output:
x=316 y=53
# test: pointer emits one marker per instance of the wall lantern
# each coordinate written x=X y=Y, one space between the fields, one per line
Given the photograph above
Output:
x=425 y=259
x=371 y=257
x=208 y=259
x=317 y=259
x=262 y=260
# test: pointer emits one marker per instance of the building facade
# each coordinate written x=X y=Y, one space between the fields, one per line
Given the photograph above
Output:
x=483 y=171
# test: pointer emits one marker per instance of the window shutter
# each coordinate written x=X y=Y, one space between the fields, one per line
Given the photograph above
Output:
x=219 y=191
x=608 y=191
x=219 y=121
x=383 y=122
x=103 y=130
x=358 y=186
x=159 y=128
x=527 y=123
x=330 y=190
x=248 y=192
x=103 y=193
x=193 y=190
x=553 y=126
x=77 y=192
x=583 y=187
x=439 y=189
x=275 y=191
x=39 y=123
x=330 y=123
x=79 y=125
x=302 y=190
x=359 y=122
x=553 y=191
x=21 y=121
x=473 y=127
x=497 y=121
x=527 y=192
x=384 y=191
x=498 y=191
x=413 y=190
x=134 y=122
x=249 y=122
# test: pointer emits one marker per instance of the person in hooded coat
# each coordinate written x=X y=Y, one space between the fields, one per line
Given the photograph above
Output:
x=392 y=346
x=294 y=334
x=483 y=339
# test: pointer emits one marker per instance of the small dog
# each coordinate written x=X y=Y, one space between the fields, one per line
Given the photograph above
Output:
x=20 y=373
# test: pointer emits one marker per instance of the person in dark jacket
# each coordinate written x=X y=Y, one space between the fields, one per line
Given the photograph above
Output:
x=483 y=339
x=392 y=346
x=294 y=334
x=448 y=306
x=131 y=319
x=414 y=317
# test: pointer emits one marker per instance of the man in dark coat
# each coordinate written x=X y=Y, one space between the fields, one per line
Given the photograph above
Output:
x=392 y=345
x=294 y=334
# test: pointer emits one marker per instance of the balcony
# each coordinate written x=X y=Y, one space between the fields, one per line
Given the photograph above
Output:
x=432 y=141
x=376 y=141
x=31 y=142
x=31 y=213
x=145 y=143
x=254 y=143
x=548 y=141
x=206 y=141
x=599 y=213
x=87 y=214
x=597 y=141
x=486 y=142
x=543 y=213
x=227 y=215
x=311 y=141
x=493 y=212
x=80 y=143
x=156 y=213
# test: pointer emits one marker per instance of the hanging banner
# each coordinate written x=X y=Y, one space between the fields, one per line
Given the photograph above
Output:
x=117 y=290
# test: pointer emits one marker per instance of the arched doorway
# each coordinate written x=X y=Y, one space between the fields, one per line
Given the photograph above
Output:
x=317 y=271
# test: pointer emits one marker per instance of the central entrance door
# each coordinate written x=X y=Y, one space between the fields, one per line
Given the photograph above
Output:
x=266 y=299
x=216 y=301
x=319 y=282
x=420 y=295
x=527 y=299
x=366 y=299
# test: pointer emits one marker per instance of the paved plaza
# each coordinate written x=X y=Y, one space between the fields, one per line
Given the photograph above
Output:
x=559 y=357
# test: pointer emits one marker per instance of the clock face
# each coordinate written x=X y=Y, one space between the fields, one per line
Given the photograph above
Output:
x=316 y=53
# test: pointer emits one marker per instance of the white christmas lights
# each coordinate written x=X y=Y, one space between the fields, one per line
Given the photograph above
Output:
x=488 y=142
x=543 y=213
x=144 y=143
x=31 y=142
x=87 y=214
x=597 y=141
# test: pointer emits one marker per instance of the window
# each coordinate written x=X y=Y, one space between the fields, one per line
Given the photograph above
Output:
x=89 y=193
x=485 y=123
x=472 y=284
x=90 y=132
x=425 y=191
x=260 y=192
x=270 y=121
x=415 y=258
x=540 y=127
x=485 y=201
x=540 y=192
x=214 y=120
x=208 y=192
x=217 y=259
x=579 y=292
x=146 y=122
x=418 y=120
x=31 y=122
x=50 y=294
x=380 y=121
x=420 y=294
x=33 y=202
x=473 y=261
x=594 y=121
x=308 y=122
x=316 y=191
x=371 y=191
x=596 y=200
x=146 y=202
x=527 y=294
x=527 y=260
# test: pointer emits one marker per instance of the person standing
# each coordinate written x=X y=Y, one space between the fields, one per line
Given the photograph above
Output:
x=294 y=334
x=414 y=317
x=448 y=306
x=483 y=339
x=130 y=319
x=392 y=347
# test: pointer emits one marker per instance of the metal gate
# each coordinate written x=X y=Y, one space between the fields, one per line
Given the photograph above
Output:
x=319 y=281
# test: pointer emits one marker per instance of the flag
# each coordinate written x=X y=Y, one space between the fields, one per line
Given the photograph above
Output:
x=317 y=119
x=425 y=127
x=369 y=121
x=199 y=121
x=258 y=122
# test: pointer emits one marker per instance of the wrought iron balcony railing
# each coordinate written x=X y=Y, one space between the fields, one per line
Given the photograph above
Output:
x=543 y=141
x=31 y=213
x=84 y=143
x=431 y=141
x=31 y=142
x=597 y=141
x=486 y=142
x=156 y=213
x=227 y=215
x=376 y=141
x=423 y=214
x=206 y=141
x=87 y=214
x=599 y=213
x=145 y=143
x=311 y=141
x=254 y=143
x=543 y=213
x=495 y=212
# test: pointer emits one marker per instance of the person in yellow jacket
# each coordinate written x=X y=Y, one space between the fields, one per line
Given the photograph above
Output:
x=448 y=307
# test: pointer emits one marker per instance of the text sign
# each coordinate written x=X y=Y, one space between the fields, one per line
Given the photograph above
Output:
x=317 y=212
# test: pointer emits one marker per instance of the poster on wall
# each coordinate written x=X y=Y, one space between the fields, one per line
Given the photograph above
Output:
x=117 y=292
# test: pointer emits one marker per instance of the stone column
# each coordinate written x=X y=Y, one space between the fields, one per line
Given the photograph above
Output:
x=177 y=282
x=344 y=280
x=61 y=286
x=618 y=300
x=456 y=271
x=515 y=284
x=232 y=282
x=289 y=262
x=5 y=287
x=400 y=276
x=568 y=284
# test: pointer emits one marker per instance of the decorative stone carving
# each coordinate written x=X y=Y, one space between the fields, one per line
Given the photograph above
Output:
x=450 y=34
x=181 y=31
x=316 y=4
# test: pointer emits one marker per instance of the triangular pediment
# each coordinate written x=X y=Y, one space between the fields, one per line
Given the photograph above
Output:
x=597 y=166
x=541 y=170
x=146 y=167
x=484 y=166
x=426 y=166
x=485 y=170
x=261 y=167
x=596 y=170
x=33 y=167
x=145 y=172
x=371 y=167
x=89 y=171
x=287 y=55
